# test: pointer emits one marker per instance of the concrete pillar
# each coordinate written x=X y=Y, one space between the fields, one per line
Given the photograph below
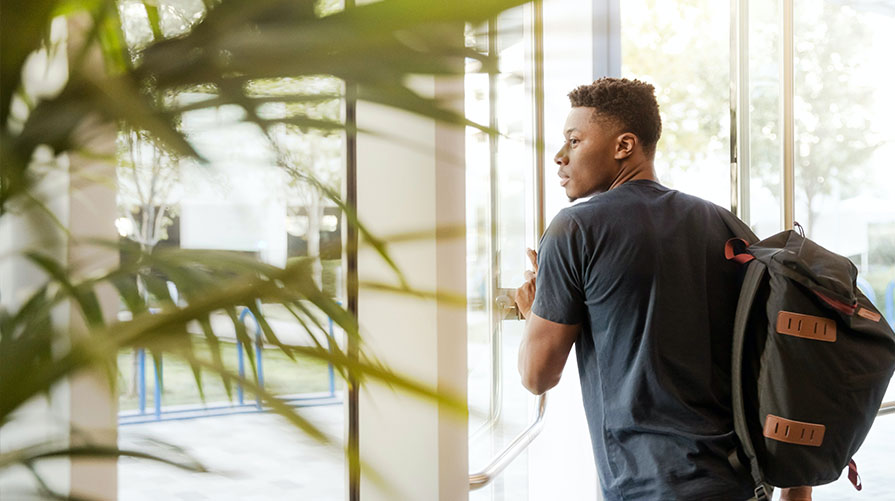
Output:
x=414 y=183
x=78 y=193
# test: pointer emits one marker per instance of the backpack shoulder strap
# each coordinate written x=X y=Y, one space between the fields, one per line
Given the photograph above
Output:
x=755 y=272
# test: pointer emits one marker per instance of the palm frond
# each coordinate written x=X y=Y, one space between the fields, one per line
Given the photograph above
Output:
x=377 y=48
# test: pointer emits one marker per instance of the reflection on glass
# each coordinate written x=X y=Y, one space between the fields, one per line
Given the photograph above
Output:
x=844 y=145
x=682 y=48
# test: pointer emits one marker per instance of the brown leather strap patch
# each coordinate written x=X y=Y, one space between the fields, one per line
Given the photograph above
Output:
x=793 y=432
x=869 y=314
x=806 y=326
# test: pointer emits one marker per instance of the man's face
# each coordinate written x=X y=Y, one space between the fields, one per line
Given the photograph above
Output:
x=587 y=159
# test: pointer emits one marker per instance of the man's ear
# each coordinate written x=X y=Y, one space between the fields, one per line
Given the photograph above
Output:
x=624 y=145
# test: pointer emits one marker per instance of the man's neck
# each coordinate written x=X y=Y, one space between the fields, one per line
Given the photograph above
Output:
x=638 y=169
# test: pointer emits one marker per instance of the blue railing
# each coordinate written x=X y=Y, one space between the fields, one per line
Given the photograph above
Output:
x=161 y=413
x=867 y=289
x=259 y=364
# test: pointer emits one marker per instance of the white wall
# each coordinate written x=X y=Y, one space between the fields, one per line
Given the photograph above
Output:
x=419 y=449
x=80 y=408
x=40 y=419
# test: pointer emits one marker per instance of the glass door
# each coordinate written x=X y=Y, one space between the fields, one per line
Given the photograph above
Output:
x=843 y=144
x=680 y=47
x=815 y=147
x=501 y=220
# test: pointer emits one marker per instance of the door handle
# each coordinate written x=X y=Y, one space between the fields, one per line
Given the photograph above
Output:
x=512 y=450
x=505 y=299
x=506 y=305
x=886 y=408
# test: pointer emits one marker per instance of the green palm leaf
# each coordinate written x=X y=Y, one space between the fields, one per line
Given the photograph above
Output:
x=376 y=48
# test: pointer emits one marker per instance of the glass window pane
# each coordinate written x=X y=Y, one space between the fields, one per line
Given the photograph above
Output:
x=478 y=235
x=247 y=199
x=500 y=227
x=515 y=152
x=765 y=155
x=844 y=145
x=682 y=47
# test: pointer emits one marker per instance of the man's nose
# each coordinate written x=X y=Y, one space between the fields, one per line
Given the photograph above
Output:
x=561 y=158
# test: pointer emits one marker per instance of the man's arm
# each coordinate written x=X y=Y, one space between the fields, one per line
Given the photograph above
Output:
x=543 y=353
x=545 y=344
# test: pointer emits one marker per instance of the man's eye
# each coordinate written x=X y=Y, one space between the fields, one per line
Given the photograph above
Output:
x=573 y=141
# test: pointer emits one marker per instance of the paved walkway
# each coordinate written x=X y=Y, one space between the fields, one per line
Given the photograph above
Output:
x=876 y=464
x=261 y=457
x=256 y=456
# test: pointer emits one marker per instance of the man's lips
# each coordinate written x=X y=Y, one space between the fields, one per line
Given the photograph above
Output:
x=564 y=181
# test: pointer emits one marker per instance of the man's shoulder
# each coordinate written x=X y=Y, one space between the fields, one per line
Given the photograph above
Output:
x=566 y=223
x=616 y=209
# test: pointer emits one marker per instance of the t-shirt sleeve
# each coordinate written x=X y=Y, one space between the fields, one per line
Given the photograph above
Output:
x=559 y=293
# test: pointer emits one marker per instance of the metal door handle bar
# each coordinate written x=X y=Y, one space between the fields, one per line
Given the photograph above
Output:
x=511 y=451
x=886 y=408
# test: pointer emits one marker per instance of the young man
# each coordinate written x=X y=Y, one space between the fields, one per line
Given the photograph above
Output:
x=636 y=278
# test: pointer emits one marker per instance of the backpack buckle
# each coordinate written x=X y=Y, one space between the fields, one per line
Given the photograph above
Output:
x=761 y=494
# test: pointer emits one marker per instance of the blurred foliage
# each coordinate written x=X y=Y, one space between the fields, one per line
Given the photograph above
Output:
x=119 y=75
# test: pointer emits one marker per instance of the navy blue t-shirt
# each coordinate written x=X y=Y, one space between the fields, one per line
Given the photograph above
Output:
x=642 y=269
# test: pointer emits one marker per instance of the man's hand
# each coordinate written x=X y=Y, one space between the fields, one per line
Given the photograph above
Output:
x=525 y=294
x=796 y=494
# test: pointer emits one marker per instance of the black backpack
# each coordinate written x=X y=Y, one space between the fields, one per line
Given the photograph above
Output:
x=812 y=358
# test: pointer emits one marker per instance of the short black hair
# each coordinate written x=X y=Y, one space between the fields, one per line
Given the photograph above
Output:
x=629 y=104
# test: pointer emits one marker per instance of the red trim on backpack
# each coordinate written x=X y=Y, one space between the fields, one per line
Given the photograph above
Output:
x=853 y=476
x=732 y=255
x=844 y=308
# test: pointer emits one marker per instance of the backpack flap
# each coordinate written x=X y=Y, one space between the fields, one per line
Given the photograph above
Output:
x=831 y=276
x=821 y=359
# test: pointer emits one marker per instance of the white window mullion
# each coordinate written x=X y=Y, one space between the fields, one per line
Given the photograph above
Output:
x=788 y=93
